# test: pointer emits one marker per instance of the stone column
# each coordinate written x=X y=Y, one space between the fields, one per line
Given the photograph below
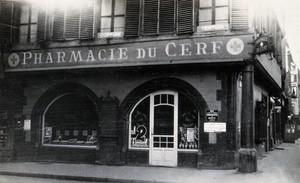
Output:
x=247 y=153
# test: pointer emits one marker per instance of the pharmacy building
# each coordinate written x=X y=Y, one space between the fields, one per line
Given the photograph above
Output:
x=178 y=83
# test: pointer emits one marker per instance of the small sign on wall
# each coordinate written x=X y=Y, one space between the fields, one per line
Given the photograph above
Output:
x=214 y=127
x=212 y=115
x=27 y=125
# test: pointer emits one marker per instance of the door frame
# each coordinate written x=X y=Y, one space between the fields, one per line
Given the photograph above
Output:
x=175 y=130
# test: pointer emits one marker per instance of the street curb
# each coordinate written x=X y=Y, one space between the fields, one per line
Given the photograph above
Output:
x=76 y=178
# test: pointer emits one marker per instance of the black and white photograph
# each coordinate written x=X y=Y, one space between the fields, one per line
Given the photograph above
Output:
x=148 y=91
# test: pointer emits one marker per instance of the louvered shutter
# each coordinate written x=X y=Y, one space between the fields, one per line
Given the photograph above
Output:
x=58 y=24
x=87 y=20
x=185 y=16
x=6 y=11
x=150 y=17
x=41 y=24
x=132 y=18
x=167 y=16
x=239 y=15
x=72 y=22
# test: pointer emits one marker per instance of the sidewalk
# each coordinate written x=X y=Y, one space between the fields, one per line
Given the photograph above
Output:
x=273 y=168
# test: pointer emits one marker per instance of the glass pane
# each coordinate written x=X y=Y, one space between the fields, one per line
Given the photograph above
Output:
x=163 y=139
x=156 y=139
x=205 y=15
x=106 y=7
x=163 y=120
x=33 y=30
x=205 y=23
x=34 y=13
x=139 y=131
x=221 y=21
x=120 y=7
x=163 y=145
x=205 y=3
x=24 y=14
x=187 y=124
x=156 y=145
x=74 y=124
x=171 y=99
x=23 y=33
x=170 y=145
x=164 y=98
x=222 y=2
x=105 y=24
x=222 y=13
x=156 y=99
x=119 y=24
x=170 y=139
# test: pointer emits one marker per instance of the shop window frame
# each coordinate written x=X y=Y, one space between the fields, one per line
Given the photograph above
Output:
x=63 y=145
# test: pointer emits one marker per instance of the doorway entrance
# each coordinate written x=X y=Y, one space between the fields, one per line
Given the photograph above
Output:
x=163 y=128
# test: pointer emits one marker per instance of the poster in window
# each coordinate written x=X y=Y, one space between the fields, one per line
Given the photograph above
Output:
x=48 y=131
x=190 y=134
x=139 y=138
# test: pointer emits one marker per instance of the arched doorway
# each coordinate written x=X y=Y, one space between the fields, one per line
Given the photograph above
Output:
x=164 y=122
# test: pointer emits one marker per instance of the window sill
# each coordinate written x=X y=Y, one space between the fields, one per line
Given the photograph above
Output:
x=70 y=146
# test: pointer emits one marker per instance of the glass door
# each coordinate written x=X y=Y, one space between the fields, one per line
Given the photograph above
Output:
x=163 y=122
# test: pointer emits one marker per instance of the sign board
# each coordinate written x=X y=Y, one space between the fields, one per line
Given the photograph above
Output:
x=212 y=115
x=263 y=44
x=110 y=34
x=214 y=127
x=170 y=51
x=217 y=27
x=27 y=124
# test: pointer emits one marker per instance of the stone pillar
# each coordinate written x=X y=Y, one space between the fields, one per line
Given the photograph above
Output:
x=108 y=152
x=247 y=153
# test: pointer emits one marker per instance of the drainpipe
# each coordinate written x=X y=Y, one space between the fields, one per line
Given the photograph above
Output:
x=247 y=153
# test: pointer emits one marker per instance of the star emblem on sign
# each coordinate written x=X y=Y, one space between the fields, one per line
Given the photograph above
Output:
x=235 y=46
x=13 y=60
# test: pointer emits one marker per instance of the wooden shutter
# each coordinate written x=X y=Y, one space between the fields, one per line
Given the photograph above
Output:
x=132 y=18
x=42 y=23
x=58 y=24
x=150 y=17
x=87 y=20
x=6 y=12
x=185 y=16
x=239 y=15
x=167 y=16
x=72 y=22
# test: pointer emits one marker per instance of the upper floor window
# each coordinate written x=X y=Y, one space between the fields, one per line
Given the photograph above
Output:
x=212 y=12
x=154 y=17
x=73 y=21
x=28 y=23
x=112 y=16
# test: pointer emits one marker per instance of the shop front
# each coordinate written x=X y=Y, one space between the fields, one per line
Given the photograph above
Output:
x=172 y=103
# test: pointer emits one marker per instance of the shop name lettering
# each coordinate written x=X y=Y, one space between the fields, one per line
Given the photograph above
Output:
x=171 y=49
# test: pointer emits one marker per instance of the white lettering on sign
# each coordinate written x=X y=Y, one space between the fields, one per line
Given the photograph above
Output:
x=192 y=49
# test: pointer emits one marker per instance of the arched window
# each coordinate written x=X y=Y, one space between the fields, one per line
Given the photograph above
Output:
x=139 y=129
x=187 y=117
x=70 y=120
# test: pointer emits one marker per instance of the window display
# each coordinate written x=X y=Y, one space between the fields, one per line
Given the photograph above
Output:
x=139 y=135
x=3 y=138
x=187 y=124
x=71 y=120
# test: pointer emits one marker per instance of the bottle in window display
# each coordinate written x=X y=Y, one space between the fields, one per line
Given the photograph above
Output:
x=188 y=132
